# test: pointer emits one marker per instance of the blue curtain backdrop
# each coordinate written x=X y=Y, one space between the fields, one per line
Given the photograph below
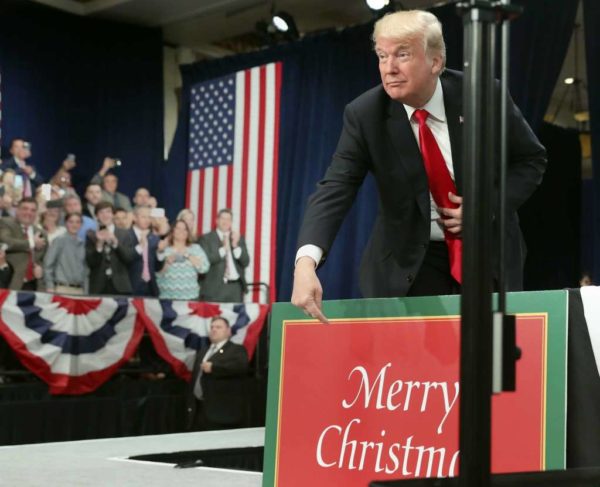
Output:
x=76 y=85
x=591 y=11
x=324 y=72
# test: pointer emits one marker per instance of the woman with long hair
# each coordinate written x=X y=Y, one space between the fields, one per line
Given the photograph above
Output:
x=182 y=262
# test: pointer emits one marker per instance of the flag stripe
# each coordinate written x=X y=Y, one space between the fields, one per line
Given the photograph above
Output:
x=259 y=180
x=245 y=153
x=275 y=169
x=202 y=177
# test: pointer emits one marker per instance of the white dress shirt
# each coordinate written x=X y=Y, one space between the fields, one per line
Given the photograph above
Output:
x=237 y=252
x=438 y=124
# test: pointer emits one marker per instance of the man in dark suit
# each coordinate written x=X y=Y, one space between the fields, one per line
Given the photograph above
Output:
x=216 y=399
x=20 y=151
x=395 y=131
x=26 y=246
x=109 y=252
x=228 y=256
x=141 y=271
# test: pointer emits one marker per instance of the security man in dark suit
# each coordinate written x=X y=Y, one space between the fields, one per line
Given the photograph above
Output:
x=395 y=131
x=217 y=398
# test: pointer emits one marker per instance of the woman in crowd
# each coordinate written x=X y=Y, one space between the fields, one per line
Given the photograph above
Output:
x=182 y=262
x=188 y=217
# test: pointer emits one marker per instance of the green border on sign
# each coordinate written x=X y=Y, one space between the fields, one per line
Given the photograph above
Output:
x=554 y=303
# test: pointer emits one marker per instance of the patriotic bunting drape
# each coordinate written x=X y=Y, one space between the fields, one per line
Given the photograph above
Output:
x=76 y=344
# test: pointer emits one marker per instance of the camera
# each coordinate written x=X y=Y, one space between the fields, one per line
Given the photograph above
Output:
x=179 y=258
x=102 y=227
x=118 y=162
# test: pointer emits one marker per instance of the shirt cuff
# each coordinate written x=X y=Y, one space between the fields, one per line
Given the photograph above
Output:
x=222 y=252
x=237 y=252
x=310 y=250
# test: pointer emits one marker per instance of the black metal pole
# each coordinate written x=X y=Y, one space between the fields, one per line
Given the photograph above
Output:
x=476 y=304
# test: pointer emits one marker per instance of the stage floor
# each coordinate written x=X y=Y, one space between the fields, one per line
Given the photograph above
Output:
x=94 y=463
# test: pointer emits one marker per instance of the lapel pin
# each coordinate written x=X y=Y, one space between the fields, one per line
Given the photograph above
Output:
x=220 y=350
x=461 y=119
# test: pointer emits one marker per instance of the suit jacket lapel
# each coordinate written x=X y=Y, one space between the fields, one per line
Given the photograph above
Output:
x=409 y=156
x=453 y=105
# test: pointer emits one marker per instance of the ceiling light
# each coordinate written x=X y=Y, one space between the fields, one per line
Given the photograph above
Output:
x=377 y=4
x=285 y=23
x=282 y=21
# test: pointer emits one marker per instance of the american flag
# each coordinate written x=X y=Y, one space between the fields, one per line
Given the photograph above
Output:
x=233 y=153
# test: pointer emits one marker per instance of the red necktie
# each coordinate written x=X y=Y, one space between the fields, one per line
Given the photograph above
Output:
x=440 y=184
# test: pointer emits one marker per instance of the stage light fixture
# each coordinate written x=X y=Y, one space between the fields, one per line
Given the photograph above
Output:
x=377 y=4
x=284 y=22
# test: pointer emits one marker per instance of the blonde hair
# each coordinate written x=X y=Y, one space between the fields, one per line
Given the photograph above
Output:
x=413 y=24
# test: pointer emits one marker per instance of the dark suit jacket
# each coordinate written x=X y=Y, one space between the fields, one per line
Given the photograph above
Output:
x=137 y=264
x=118 y=259
x=224 y=388
x=213 y=283
x=17 y=254
x=12 y=164
x=377 y=138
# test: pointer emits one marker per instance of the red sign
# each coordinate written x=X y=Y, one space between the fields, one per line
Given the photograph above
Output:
x=369 y=399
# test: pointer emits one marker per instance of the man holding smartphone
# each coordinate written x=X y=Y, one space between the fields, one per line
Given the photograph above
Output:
x=20 y=151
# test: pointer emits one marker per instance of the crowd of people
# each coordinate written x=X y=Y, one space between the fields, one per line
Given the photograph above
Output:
x=106 y=244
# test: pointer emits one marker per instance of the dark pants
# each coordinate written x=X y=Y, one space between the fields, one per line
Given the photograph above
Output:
x=228 y=292
x=202 y=423
x=433 y=278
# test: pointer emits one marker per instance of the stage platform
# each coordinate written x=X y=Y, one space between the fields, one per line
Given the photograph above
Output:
x=95 y=463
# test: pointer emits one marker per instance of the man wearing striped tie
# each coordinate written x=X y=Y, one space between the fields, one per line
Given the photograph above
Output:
x=408 y=133
x=226 y=250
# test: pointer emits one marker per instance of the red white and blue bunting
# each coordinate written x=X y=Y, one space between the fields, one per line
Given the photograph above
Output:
x=179 y=329
x=76 y=344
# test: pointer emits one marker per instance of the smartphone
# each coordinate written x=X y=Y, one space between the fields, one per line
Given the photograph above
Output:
x=157 y=213
x=46 y=191
x=18 y=181
x=70 y=157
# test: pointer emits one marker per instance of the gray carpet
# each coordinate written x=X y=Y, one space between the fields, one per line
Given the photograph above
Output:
x=95 y=463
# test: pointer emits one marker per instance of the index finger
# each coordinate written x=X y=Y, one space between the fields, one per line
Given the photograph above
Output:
x=315 y=311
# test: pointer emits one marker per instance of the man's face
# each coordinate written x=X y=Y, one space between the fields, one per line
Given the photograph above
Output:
x=73 y=224
x=224 y=221
x=121 y=219
x=142 y=197
x=110 y=183
x=93 y=194
x=407 y=73
x=142 y=219
x=219 y=331
x=72 y=205
x=26 y=213
x=19 y=150
x=105 y=216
